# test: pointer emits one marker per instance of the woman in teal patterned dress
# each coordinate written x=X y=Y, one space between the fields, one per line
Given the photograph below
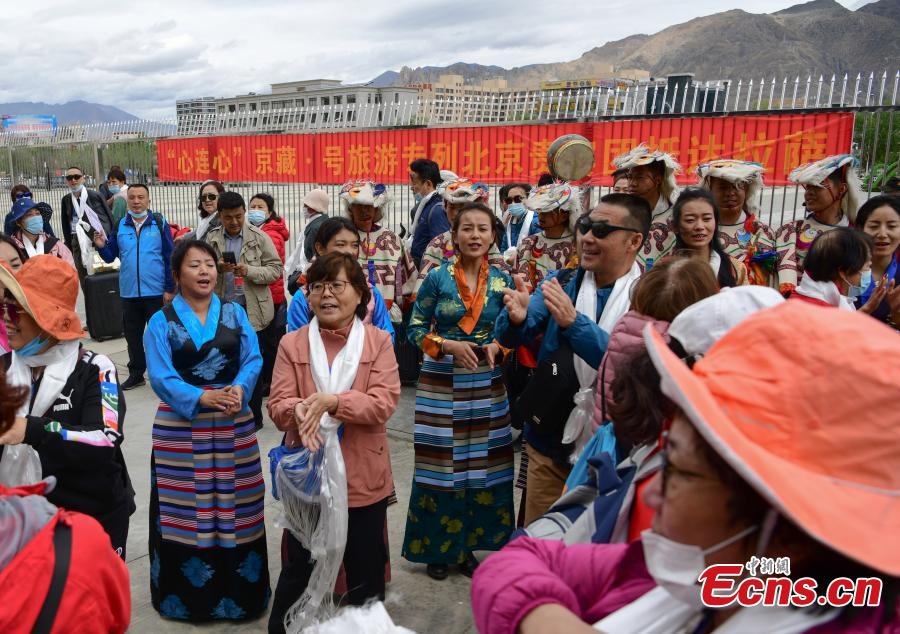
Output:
x=462 y=497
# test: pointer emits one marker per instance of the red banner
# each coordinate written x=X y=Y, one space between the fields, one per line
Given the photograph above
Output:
x=503 y=154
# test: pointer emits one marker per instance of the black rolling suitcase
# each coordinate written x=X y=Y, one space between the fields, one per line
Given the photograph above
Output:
x=103 y=307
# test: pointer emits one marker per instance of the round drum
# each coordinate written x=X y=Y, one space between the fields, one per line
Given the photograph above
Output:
x=570 y=158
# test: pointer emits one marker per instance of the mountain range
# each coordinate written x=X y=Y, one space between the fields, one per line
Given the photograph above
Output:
x=70 y=112
x=819 y=37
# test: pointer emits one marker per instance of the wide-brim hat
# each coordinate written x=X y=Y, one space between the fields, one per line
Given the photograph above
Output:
x=46 y=288
x=364 y=192
x=462 y=190
x=811 y=427
x=816 y=172
x=553 y=196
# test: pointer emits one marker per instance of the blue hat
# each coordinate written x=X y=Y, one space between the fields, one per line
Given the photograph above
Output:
x=21 y=207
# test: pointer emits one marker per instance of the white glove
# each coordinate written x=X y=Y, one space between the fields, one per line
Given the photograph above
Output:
x=396 y=314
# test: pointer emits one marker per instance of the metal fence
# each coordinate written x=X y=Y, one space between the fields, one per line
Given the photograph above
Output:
x=39 y=161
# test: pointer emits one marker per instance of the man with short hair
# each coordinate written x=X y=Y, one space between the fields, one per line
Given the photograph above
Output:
x=519 y=222
x=429 y=218
x=84 y=214
x=315 y=211
x=255 y=265
x=143 y=244
x=117 y=201
x=575 y=309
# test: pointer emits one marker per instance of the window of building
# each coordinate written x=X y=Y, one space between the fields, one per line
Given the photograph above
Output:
x=264 y=105
x=351 y=99
x=324 y=117
x=338 y=99
x=253 y=107
x=242 y=107
x=221 y=108
x=368 y=97
x=338 y=116
x=377 y=97
x=396 y=97
x=313 y=101
x=231 y=107
x=326 y=101
x=301 y=103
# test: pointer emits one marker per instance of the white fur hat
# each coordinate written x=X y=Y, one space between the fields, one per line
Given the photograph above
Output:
x=746 y=174
x=816 y=172
x=363 y=192
x=462 y=190
x=641 y=155
x=553 y=196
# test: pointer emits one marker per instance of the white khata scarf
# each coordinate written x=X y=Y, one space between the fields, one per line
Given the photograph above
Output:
x=578 y=427
x=321 y=525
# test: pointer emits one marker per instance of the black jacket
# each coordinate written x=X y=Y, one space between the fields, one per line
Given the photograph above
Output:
x=95 y=201
x=79 y=440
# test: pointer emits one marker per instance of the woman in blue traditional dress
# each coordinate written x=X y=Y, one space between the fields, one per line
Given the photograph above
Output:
x=207 y=533
x=462 y=497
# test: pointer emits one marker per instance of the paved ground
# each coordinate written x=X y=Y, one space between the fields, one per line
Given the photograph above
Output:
x=414 y=600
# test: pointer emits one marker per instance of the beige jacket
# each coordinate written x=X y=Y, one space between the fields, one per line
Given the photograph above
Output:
x=263 y=267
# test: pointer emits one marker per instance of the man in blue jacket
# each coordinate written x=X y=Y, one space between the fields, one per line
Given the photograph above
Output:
x=429 y=218
x=143 y=244
x=608 y=240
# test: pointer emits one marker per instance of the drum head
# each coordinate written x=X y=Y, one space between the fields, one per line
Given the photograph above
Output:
x=570 y=158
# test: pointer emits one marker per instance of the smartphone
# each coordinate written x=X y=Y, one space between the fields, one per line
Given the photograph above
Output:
x=229 y=258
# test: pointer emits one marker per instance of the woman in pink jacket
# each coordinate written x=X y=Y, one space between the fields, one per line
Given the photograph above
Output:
x=745 y=481
x=338 y=295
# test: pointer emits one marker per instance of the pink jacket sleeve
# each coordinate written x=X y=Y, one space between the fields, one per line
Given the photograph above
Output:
x=377 y=404
x=528 y=573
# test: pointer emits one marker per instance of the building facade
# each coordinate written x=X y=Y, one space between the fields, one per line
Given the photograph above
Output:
x=314 y=104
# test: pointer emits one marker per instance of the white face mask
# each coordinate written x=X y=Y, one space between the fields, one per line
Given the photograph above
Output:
x=676 y=567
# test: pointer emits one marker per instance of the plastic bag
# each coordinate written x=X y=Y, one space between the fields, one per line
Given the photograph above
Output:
x=313 y=492
x=370 y=619
x=579 y=426
x=19 y=465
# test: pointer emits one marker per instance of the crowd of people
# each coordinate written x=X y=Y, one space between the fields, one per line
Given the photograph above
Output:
x=649 y=347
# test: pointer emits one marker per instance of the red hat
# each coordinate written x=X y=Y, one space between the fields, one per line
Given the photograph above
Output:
x=809 y=422
x=47 y=289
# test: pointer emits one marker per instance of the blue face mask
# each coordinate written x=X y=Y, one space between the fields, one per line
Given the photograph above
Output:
x=114 y=189
x=32 y=347
x=256 y=217
x=417 y=198
x=77 y=189
x=854 y=291
x=134 y=214
x=34 y=225
x=516 y=210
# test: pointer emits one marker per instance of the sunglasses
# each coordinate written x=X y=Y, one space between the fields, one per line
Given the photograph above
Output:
x=10 y=312
x=514 y=199
x=22 y=195
x=73 y=177
x=208 y=198
x=600 y=228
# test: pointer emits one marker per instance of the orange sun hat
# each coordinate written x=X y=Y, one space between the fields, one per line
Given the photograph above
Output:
x=47 y=289
x=811 y=423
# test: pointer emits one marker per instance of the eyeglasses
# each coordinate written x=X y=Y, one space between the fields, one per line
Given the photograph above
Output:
x=337 y=287
x=208 y=198
x=669 y=470
x=73 y=177
x=10 y=312
x=600 y=228
x=513 y=199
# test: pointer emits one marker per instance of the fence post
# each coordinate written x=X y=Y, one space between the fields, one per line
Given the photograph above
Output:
x=96 y=150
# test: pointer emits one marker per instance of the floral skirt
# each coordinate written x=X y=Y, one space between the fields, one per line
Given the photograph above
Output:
x=442 y=527
x=208 y=556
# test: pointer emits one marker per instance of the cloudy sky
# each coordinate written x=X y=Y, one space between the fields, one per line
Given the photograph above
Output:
x=142 y=57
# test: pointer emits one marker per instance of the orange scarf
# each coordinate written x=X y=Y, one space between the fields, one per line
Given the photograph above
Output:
x=474 y=303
